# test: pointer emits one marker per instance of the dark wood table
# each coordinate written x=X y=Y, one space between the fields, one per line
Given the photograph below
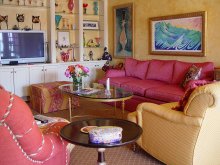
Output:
x=71 y=132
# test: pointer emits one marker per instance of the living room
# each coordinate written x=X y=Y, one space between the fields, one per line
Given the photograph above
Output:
x=144 y=13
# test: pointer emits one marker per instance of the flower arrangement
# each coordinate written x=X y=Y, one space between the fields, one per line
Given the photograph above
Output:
x=77 y=72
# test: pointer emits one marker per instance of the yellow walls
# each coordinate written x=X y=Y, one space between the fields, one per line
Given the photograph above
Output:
x=144 y=9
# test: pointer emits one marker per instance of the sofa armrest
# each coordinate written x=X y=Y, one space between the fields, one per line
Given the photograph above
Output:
x=165 y=112
x=115 y=73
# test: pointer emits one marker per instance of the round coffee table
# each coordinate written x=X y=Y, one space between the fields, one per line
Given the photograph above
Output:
x=71 y=132
x=98 y=95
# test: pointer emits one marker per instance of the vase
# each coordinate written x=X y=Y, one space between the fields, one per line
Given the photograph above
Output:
x=77 y=83
x=57 y=20
x=95 y=8
x=70 y=5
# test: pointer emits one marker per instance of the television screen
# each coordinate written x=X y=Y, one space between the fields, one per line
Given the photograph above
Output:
x=22 y=46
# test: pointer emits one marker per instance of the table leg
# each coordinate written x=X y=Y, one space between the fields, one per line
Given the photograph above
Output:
x=115 y=108
x=101 y=156
x=123 y=108
x=70 y=108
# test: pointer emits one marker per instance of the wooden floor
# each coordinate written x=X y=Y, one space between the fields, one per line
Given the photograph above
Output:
x=89 y=109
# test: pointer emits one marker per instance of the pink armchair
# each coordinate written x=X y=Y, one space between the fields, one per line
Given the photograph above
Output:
x=22 y=142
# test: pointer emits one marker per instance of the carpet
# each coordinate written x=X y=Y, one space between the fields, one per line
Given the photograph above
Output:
x=113 y=156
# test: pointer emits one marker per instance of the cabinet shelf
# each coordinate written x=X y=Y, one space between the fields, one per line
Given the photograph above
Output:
x=24 y=6
x=87 y=47
x=67 y=29
x=93 y=30
x=66 y=14
x=97 y=15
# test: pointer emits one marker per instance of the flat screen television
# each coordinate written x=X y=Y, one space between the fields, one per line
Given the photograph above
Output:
x=22 y=46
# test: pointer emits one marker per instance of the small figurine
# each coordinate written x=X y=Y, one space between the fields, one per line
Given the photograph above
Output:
x=4 y=19
x=91 y=55
x=19 y=18
x=106 y=55
x=84 y=57
x=91 y=43
x=35 y=20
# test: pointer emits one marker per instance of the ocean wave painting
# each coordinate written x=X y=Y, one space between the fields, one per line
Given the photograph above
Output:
x=180 y=34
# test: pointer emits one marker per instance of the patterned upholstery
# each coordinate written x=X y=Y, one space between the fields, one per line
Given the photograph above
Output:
x=180 y=138
x=46 y=97
x=21 y=140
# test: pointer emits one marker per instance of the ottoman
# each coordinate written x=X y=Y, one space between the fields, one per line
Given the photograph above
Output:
x=46 y=97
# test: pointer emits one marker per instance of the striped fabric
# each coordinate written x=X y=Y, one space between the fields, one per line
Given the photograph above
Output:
x=183 y=138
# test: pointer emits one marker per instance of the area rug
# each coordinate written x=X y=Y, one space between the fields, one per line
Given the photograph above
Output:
x=114 y=156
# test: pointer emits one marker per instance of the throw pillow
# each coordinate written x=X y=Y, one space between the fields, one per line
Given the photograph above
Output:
x=193 y=85
x=192 y=74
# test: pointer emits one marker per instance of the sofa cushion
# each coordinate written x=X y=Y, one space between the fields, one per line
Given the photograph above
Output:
x=193 y=73
x=180 y=69
x=117 y=81
x=160 y=70
x=136 y=68
x=140 y=69
x=167 y=93
x=139 y=87
x=207 y=70
x=130 y=64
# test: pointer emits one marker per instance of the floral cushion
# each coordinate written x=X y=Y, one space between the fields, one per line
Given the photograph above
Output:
x=191 y=86
x=193 y=73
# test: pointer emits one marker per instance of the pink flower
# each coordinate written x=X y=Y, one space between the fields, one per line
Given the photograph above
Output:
x=86 y=69
x=67 y=73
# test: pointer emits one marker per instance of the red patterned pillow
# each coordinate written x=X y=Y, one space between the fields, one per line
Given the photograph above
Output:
x=191 y=88
x=192 y=74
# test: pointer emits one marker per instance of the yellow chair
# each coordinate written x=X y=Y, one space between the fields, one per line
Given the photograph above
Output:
x=183 y=138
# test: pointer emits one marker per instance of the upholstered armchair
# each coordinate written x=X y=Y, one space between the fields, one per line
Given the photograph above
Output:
x=183 y=138
x=22 y=142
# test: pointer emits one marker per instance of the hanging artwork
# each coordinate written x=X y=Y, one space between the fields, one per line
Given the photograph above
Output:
x=123 y=31
x=178 y=35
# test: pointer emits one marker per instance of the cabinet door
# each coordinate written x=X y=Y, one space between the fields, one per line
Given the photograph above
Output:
x=50 y=73
x=6 y=79
x=36 y=74
x=21 y=81
x=61 y=75
x=95 y=73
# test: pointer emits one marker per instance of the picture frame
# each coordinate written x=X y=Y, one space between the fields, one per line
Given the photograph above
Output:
x=63 y=38
x=178 y=35
x=123 y=31
x=90 y=25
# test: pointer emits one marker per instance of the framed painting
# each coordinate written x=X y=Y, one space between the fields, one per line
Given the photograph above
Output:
x=178 y=35
x=63 y=38
x=123 y=31
x=91 y=25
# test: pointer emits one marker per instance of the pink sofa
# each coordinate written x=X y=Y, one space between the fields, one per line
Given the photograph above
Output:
x=156 y=81
x=22 y=142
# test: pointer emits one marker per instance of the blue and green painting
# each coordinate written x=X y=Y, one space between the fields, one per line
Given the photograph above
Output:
x=178 y=35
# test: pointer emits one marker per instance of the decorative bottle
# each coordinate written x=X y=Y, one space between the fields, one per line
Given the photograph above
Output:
x=70 y=5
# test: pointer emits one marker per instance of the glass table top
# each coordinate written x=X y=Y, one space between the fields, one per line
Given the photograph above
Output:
x=102 y=94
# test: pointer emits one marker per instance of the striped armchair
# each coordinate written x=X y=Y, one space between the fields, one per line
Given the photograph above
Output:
x=22 y=142
x=184 y=137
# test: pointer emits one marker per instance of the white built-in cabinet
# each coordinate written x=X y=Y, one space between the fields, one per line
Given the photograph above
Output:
x=18 y=78
x=43 y=74
x=15 y=79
